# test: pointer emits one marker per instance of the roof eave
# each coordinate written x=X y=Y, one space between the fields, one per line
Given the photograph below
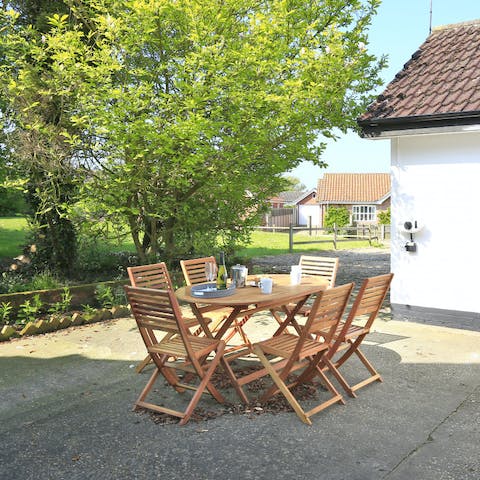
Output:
x=376 y=126
x=303 y=196
x=354 y=202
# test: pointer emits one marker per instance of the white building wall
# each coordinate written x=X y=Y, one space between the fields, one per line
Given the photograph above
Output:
x=436 y=181
x=306 y=211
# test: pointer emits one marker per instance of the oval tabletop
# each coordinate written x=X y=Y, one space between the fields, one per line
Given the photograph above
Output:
x=251 y=295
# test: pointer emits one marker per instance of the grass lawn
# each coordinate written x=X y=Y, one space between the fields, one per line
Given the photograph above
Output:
x=13 y=231
x=269 y=243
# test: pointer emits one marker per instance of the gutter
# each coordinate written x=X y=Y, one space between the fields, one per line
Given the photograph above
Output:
x=374 y=127
x=356 y=202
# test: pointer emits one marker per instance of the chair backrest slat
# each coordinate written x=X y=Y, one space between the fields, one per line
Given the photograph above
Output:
x=327 y=310
x=370 y=297
x=154 y=275
x=155 y=309
x=152 y=309
x=321 y=266
x=194 y=269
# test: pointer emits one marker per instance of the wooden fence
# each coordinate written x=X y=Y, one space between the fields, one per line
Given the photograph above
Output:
x=281 y=218
x=334 y=235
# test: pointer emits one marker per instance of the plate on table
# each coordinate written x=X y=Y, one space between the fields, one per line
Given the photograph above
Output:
x=209 y=290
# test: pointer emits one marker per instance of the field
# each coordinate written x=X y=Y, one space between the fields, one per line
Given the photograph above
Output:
x=268 y=243
x=13 y=231
x=13 y=234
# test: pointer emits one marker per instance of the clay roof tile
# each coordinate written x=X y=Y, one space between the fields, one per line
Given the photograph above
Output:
x=440 y=77
x=353 y=187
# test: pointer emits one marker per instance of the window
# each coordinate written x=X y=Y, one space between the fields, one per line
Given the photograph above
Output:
x=364 y=213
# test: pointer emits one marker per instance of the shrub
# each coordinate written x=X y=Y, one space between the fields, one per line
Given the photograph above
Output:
x=12 y=282
x=12 y=202
x=384 y=217
x=28 y=311
x=98 y=263
x=64 y=304
x=22 y=281
x=88 y=309
x=44 y=281
x=338 y=216
x=119 y=296
x=5 y=311
x=104 y=296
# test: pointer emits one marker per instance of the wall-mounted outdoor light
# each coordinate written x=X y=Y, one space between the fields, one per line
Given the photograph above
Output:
x=410 y=227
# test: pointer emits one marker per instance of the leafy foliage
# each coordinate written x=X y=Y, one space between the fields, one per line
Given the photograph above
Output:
x=37 y=99
x=338 y=216
x=5 y=312
x=29 y=310
x=179 y=118
x=12 y=202
x=384 y=217
x=104 y=296
x=43 y=281
x=64 y=304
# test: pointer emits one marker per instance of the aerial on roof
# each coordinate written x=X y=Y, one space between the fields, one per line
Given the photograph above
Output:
x=353 y=187
x=439 y=85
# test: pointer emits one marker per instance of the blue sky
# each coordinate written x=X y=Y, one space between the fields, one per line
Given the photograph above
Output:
x=397 y=31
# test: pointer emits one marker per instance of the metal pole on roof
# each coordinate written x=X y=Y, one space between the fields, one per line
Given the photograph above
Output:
x=430 y=30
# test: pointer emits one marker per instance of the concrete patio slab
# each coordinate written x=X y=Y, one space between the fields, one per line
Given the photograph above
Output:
x=66 y=398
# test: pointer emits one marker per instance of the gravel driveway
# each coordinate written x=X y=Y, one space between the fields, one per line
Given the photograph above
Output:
x=355 y=265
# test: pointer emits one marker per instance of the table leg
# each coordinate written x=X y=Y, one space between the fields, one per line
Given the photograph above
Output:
x=201 y=321
x=290 y=318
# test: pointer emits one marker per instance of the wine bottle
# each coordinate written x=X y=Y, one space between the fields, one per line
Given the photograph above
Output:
x=222 y=273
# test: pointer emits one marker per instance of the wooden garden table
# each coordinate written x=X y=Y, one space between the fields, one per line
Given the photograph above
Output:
x=249 y=300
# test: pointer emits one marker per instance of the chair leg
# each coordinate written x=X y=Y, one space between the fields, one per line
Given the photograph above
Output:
x=139 y=368
x=205 y=383
x=354 y=349
x=282 y=387
x=233 y=379
x=314 y=369
x=146 y=389
x=340 y=378
x=353 y=345
x=148 y=359
x=236 y=328
x=368 y=365
x=209 y=385
x=172 y=378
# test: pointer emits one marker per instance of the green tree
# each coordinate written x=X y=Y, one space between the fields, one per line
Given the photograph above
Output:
x=36 y=101
x=193 y=105
x=384 y=217
x=338 y=216
x=188 y=113
x=294 y=184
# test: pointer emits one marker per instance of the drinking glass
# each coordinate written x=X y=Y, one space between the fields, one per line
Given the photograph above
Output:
x=210 y=271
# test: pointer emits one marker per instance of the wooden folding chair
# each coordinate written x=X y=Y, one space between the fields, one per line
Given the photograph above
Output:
x=158 y=310
x=325 y=267
x=194 y=273
x=349 y=335
x=293 y=352
x=156 y=276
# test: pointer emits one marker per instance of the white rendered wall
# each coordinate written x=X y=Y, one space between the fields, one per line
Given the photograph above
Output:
x=306 y=211
x=436 y=180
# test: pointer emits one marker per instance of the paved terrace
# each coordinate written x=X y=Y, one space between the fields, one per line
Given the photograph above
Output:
x=66 y=398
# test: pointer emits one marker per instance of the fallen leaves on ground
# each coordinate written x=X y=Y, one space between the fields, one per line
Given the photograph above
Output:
x=276 y=404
